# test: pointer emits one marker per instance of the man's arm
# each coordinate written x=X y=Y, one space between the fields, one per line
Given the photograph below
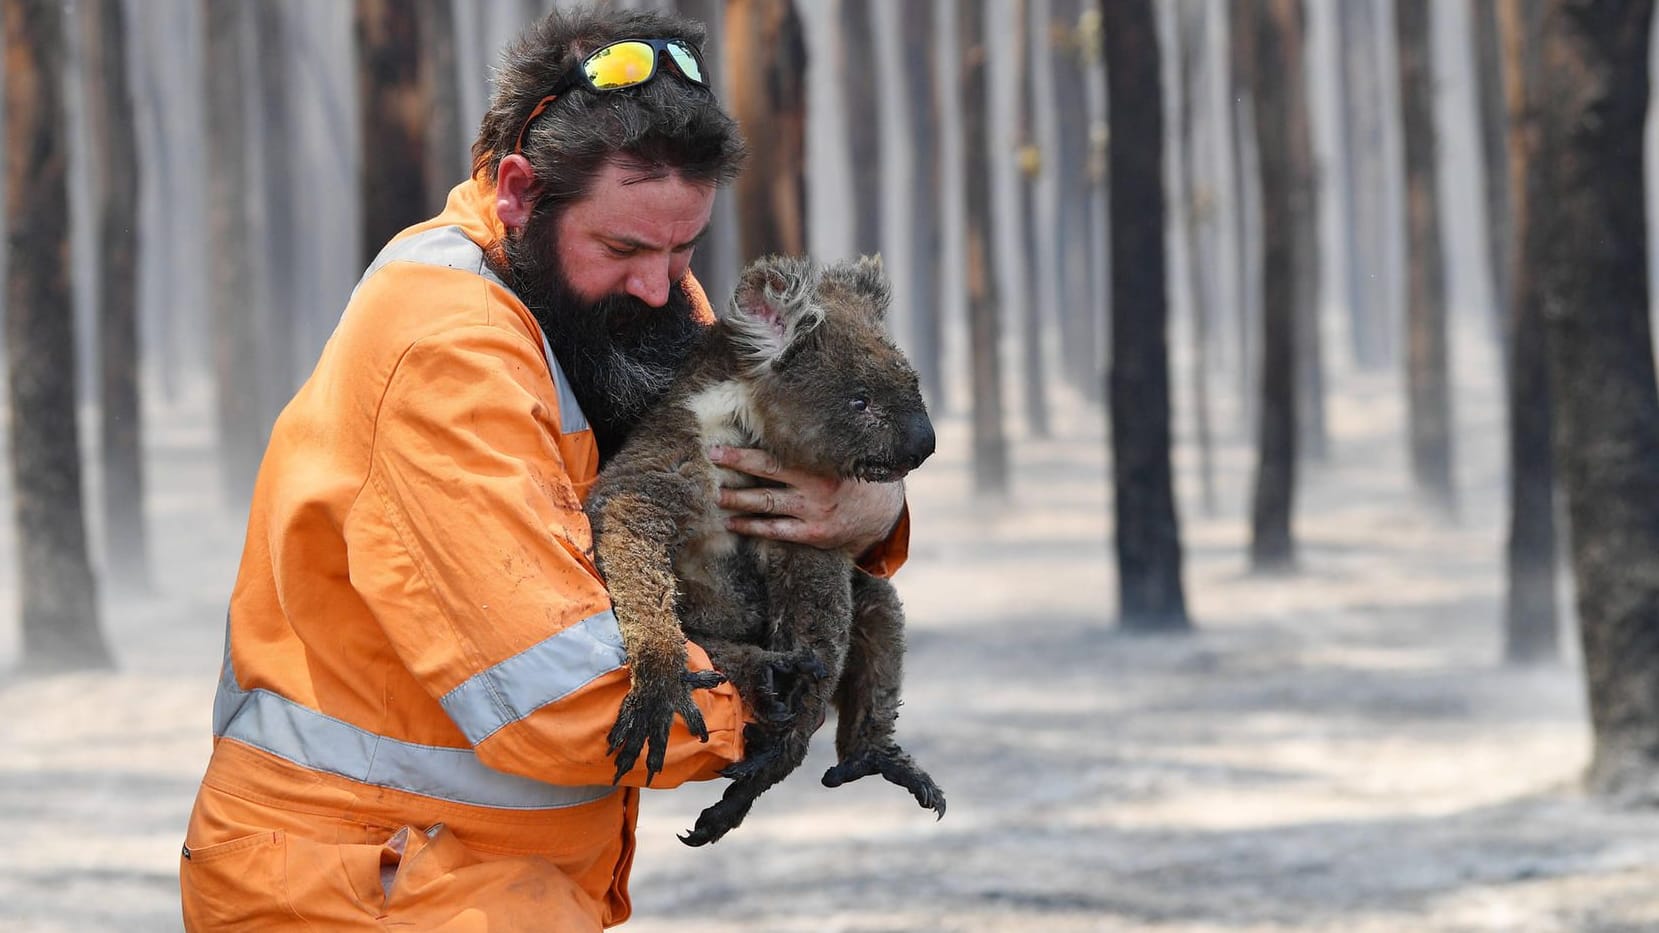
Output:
x=470 y=552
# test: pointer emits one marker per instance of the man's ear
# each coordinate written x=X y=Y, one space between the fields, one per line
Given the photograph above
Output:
x=515 y=190
x=772 y=310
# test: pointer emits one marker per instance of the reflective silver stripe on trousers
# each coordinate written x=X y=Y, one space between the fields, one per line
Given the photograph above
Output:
x=288 y=730
x=452 y=248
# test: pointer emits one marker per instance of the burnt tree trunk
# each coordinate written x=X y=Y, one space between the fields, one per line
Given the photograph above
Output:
x=1304 y=203
x=766 y=66
x=927 y=241
x=1030 y=159
x=1428 y=387
x=990 y=446
x=1148 y=534
x=1487 y=45
x=1589 y=242
x=1075 y=299
x=59 y=593
x=280 y=246
x=1530 y=620
x=1247 y=225
x=861 y=103
x=229 y=181
x=393 y=103
x=715 y=262
x=1192 y=40
x=113 y=147
x=1363 y=183
x=446 y=142
x=1277 y=55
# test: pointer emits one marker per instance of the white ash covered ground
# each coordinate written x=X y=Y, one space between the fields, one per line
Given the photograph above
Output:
x=1332 y=750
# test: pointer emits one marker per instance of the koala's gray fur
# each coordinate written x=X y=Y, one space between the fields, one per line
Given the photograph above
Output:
x=801 y=367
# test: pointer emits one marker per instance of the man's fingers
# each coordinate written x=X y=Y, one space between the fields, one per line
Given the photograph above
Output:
x=778 y=529
x=749 y=460
x=762 y=500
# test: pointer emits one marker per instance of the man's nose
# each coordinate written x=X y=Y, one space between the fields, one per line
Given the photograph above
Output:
x=649 y=280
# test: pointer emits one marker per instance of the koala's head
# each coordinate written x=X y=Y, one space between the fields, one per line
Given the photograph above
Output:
x=832 y=391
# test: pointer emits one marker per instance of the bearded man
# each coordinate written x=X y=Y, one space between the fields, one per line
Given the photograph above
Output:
x=421 y=665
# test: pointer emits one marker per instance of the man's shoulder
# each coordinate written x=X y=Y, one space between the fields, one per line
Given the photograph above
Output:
x=408 y=302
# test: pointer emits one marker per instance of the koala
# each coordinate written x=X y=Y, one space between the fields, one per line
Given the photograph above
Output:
x=801 y=367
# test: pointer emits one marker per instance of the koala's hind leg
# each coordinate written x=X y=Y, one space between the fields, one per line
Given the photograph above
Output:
x=867 y=698
x=810 y=599
x=773 y=683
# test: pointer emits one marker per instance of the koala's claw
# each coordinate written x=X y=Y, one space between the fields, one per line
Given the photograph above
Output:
x=646 y=716
x=717 y=820
x=777 y=703
x=896 y=767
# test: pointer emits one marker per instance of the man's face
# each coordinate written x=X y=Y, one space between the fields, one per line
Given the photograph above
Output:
x=602 y=280
x=631 y=237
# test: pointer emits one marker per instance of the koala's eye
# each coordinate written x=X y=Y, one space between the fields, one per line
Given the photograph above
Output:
x=860 y=403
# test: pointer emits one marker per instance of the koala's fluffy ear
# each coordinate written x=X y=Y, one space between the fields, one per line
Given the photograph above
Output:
x=773 y=309
x=866 y=278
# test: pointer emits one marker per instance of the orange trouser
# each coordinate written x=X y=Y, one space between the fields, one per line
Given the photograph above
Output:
x=414 y=879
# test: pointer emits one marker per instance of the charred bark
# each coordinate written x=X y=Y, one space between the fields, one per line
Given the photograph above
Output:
x=927 y=242
x=393 y=101
x=1030 y=159
x=859 y=71
x=1428 y=386
x=1275 y=24
x=1588 y=238
x=59 y=593
x=1530 y=619
x=113 y=148
x=715 y=262
x=235 y=340
x=1076 y=302
x=767 y=62
x=990 y=446
x=1192 y=40
x=1148 y=535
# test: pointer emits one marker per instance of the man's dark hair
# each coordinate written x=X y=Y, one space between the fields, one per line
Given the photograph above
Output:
x=665 y=126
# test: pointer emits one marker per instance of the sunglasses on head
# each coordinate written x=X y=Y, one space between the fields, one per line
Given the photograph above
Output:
x=622 y=64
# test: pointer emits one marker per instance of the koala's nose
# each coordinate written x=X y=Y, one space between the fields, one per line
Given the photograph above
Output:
x=917 y=432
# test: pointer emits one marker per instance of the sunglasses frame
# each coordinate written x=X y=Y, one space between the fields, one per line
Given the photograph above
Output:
x=577 y=76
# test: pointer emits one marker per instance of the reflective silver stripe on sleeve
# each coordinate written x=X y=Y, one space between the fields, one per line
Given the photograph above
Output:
x=452 y=248
x=535 y=677
x=292 y=731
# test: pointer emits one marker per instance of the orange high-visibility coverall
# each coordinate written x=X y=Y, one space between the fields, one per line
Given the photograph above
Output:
x=421 y=662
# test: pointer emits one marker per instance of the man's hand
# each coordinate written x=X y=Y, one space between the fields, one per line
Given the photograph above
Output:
x=822 y=511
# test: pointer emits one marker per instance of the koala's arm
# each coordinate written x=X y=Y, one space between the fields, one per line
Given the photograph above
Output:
x=468 y=543
x=639 y=511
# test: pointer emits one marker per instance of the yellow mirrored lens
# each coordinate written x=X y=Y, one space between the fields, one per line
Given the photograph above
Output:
x=687 y=61
x=621 y=65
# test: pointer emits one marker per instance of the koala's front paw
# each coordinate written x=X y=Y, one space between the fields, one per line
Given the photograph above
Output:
x=648 y=713
x=893 y=764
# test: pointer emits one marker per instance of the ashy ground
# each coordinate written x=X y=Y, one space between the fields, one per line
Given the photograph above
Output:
x=1335 y=749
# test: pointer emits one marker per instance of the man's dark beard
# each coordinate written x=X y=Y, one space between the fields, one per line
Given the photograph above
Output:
x=619 y=353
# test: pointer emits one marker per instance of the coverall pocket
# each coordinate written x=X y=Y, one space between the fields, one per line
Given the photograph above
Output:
x=235 y=885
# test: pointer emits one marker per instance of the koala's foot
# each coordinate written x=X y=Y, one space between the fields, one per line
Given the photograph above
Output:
x=722 y=817
x=893 y=764
x=784 y=683
x=648 y=713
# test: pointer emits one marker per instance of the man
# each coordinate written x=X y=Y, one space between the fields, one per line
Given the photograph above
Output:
x=421 y=664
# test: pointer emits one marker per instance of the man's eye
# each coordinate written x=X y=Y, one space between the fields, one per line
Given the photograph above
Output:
x=620 y=251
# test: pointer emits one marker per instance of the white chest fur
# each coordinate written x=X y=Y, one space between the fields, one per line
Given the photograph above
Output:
x=725 y=415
